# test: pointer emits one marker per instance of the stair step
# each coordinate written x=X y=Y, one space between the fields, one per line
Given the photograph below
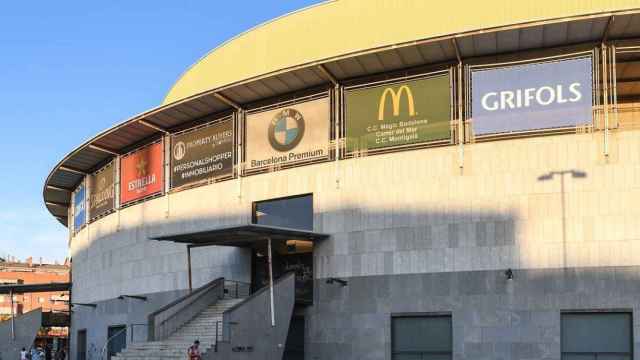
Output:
x=202 y=327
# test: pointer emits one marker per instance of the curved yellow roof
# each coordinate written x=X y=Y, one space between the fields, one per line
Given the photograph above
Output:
x=341 y=27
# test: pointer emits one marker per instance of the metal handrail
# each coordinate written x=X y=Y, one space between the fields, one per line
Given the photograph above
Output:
x=190 y=298
x=180 y=299
x=236 y=288
x=104 y=348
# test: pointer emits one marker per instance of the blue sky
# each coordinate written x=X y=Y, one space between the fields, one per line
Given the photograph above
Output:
x=69 y=69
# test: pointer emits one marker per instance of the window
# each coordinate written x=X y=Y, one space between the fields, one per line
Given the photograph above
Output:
x=596 y=336
x=291 y=212
x=421 y=337
x=82 y=345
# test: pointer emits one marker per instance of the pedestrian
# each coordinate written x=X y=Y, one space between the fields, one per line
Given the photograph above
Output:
x=23 y=354
x=48 y=352
x=194 y=351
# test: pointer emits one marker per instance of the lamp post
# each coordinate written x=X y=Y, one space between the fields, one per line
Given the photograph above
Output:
x=575 y=174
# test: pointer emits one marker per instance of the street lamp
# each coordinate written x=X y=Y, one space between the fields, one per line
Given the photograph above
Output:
x=575 y=174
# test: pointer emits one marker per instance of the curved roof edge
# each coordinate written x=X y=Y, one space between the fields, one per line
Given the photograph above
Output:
x=310 y=35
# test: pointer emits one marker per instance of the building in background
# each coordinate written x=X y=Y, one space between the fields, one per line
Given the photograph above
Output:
x=387 y=179
x=51 y=303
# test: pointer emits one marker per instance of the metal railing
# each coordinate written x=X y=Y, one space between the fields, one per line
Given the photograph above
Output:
x=103 y=353
x=168 y=319
x=236 y=289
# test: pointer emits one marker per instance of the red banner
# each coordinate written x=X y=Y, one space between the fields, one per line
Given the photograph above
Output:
x=142 y=173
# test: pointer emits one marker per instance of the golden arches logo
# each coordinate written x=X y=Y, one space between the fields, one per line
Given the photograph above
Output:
x=395 y=101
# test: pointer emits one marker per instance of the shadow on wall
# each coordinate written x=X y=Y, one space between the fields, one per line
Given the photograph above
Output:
x=562 y=174
x=409 y=232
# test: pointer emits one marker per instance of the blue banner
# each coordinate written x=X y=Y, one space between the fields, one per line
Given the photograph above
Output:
x=546 y=95
x=79 y=207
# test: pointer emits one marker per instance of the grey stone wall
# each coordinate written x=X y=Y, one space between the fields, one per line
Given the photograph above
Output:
x=26 y=328
x=249 y=325
x=412 y=214
x=116 y=312
x=493 y=318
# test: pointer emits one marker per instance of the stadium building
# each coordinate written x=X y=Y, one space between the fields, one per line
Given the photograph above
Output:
x=373 y=180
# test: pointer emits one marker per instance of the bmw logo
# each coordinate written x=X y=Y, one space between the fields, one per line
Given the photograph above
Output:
x=286 y=130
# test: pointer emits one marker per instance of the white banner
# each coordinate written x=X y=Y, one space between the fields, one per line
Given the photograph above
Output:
x=288 y=134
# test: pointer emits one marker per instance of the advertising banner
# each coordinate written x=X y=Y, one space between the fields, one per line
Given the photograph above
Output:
x=532 y=96
x=102 y=191
x=79 y=207
x=202 y=154
x=142 y=173
x=288 y=134
x=396 y=114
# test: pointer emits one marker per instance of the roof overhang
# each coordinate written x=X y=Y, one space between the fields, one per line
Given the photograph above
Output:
x=34 y=288
x=401 y=58
x=241 y=236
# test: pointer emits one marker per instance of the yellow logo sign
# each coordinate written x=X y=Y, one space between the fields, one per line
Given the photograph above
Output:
x=395 y=101
x=142 y=167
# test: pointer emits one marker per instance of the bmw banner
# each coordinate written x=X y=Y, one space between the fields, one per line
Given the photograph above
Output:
x=290 y=134
x=553 y=94
x=79 y=207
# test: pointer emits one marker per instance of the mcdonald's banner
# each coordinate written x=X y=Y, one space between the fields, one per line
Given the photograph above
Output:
x=202 y=154
x=288 y=134
x=102 y=191
x=79 y=207
x=402 y=113
x=536 y=96
x=142 y=173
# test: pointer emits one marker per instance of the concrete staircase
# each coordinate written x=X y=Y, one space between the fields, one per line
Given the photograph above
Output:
x=202 y=327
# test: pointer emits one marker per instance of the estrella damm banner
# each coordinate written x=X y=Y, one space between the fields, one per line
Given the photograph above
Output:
x=400 y=113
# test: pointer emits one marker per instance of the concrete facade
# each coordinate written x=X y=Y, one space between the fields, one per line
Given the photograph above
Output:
x=426 y=234
x=26 y=328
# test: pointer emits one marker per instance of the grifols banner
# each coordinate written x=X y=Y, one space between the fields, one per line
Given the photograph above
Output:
x=533 y=96
x=102 y=191
x=402 y=113
x=142 y=173
x=288 y=134
x=202 y=154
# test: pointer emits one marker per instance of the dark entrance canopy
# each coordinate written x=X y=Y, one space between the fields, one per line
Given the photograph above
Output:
x=248 y=235
x=241 y=235
x=34 y=288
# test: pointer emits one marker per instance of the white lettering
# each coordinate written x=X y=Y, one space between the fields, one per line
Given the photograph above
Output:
x=495 y=105
x=574 y=89
x=523 y=98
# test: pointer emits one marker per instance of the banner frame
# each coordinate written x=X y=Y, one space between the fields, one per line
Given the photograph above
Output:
x=468 y=114
x=158 y=194
x=111 y=162
x=82 y=183
x=209 y=180
x=325 y=94
x=447 y=71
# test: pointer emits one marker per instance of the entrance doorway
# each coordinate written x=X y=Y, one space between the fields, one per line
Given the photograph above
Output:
x=287 y=256
x=117 y=337
x=291 y=255
x=294 y=348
